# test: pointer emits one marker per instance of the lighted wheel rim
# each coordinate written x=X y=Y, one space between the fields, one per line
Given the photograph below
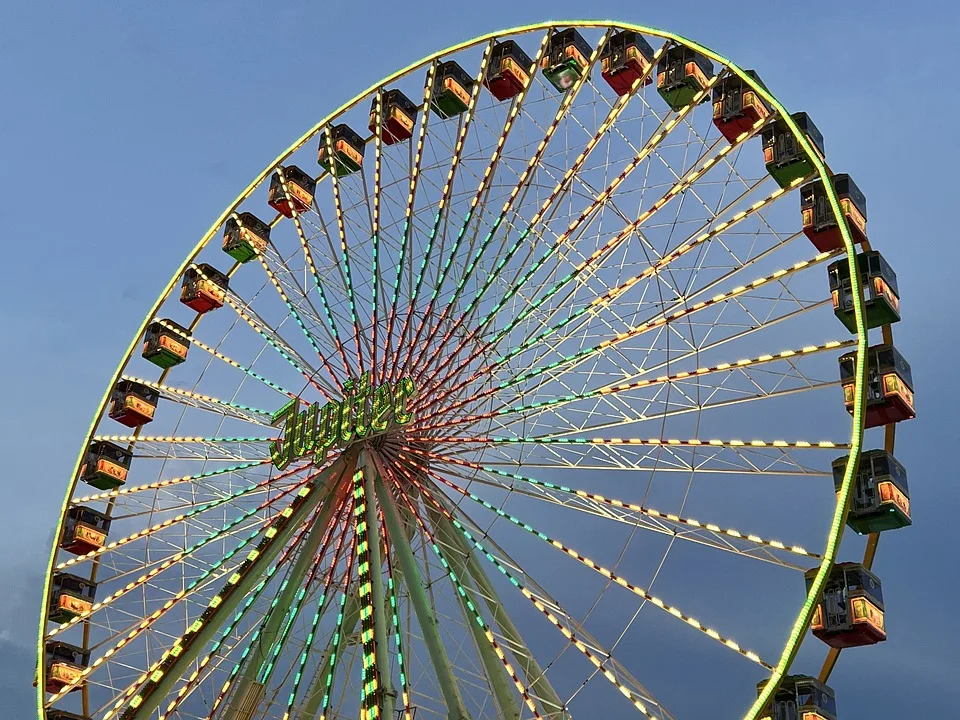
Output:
x=620 y=356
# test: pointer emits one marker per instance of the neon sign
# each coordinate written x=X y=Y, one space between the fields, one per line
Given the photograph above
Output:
x=364 y=412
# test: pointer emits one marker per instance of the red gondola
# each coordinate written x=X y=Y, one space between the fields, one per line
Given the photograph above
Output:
x=399 y=117
x=508 y=70
x=625 y=59
x=819 y=222
x=133 y=404
x=84 y=530
x=203 y=288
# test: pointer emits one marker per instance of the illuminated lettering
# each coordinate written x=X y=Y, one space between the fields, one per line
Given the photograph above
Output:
x=364 y=411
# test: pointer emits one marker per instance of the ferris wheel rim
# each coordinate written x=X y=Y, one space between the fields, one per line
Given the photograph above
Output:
x=796 y=635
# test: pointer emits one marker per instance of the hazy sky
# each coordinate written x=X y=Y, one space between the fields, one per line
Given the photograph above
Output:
x=125 y=128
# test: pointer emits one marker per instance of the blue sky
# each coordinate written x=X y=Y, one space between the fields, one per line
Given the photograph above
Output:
x=127 y=127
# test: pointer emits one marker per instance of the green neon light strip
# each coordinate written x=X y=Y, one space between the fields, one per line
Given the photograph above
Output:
x=291 y=613
x=286 y=354
x=378 y=152
x=443 y=204
x=678 y=187
x=166 y=483
x=395 y=619
x=177 y=557
x=321 y=603
x=614 y=502
x=166 y=523
x=369 y=690
x=485 y=181
x=534 y=162
x=836 y=531
x=633 y=332
x=407 y=224
x=338 y=630
x=279 y=288
x=308 y=254
x=220 y=356
x=345 y=255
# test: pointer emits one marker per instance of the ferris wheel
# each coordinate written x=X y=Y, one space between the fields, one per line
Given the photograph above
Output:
x=531 y=383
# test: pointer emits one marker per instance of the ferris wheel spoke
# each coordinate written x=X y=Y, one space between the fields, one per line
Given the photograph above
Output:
x=205 y=402
x=568 y=362
x=638 y=696
x=331 y=325
x=141 y=626
x=616 y=388
x=603 y=506
x=269 y=334
x=272 y=255
x=344 y=253
x=441 y=664
x=699 y=406
x=599 y=202
x=159 y=568
x=272 y=632
x=408 y=223
x=193 y=448
x=248 y=691
x=196 y=676
x=145 y=697
x=133 y=489
x=607 y=573
x=152 y=530
x=220 y=356
x=605 y=299
x=475 y=204
x=523 y=183
x=561 y=186
x=443 y=204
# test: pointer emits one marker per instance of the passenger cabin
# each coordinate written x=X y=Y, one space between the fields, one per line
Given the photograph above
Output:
x=786 y=160
x=881 y=498
x=881 y=298
x=65 y=664
x=819 y=222
x=133 y=404
x=165 y=343
x=399 y=116
x=245 y=236
x=84 y=530
x=625 y=59
x=889 y=390
x=106 y=465
x=508 y=70
x=799 y=697
x=566 y=58
x=452 y=88
x=737 y=108
x=70 y=597
x=850 y=612
x=681 y=74
x=341 y=150
x=300 y=187
x=203 y=288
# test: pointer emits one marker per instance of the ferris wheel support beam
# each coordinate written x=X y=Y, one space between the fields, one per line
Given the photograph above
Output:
x=239 y=708
x=418 y=598
x=536 y=678
x=381 y=632
x=496 y=674
x=243 y=587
